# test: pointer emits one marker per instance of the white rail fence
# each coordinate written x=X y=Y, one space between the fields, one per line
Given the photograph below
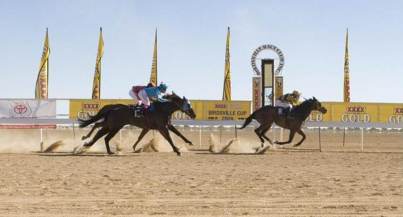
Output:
x=62 y=119
x=319 y=127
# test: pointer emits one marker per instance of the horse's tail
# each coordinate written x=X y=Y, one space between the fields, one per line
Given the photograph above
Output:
x=248 y=120
x=92 y=119
x=101 y=114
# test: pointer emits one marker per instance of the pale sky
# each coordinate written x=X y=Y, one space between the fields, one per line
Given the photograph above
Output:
x=191 y=37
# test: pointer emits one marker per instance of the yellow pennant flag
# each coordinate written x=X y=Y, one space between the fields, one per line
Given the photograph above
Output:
x=346 y=93
x=227 y=72
x=96 y=86
x=41 y=88
x=154 y=71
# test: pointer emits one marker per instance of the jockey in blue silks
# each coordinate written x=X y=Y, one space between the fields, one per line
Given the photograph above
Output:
x=154 y=94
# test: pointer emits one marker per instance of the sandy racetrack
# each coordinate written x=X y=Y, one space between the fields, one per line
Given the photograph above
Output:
x=278 y=183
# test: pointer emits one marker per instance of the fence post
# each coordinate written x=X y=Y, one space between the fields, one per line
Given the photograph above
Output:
x=220 y=133
x=41 y=144
x=362 y=139
x=344 y=136
x=236 y=132
x=281 y=134
x=200 y=136
x=74 y=131
x=119 y=146
x=320 y=142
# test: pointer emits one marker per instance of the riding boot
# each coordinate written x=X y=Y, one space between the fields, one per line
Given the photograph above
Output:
x=290 y=115
x=286 y=111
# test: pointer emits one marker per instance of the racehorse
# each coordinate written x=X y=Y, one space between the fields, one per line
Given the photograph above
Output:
x=114 y=117
x=268 y=115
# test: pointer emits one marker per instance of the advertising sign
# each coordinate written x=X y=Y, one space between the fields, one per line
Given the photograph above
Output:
x=27 y=108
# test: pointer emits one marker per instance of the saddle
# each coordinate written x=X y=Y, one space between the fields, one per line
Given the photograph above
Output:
x=286 y=113
x=138 y=110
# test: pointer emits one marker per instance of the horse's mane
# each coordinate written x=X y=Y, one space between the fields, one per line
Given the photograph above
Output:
x=304 y=106
x=169 y=98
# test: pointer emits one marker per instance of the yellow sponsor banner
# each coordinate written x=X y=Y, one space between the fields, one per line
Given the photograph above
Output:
x=204 y=109
x=256 y=93
x=360 y=112
x=391 y=113
x=279 y=86
x=197 y=108
x=81 y=108
x=355 y=112
x=240 y=110
x=218 y=110
x=318 y=117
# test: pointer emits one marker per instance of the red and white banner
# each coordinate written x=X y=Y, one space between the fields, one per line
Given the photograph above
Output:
x=27 y=108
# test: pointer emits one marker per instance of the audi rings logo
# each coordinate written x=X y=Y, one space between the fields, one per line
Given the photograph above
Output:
x=396 y=119
x=20 y=110
x=363 y=118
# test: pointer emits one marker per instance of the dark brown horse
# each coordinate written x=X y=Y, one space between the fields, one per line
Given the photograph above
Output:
x=268 y=115
x=111 y=118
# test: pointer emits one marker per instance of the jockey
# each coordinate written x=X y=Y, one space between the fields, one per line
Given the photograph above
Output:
x=135 y=90
x=148 y=95
x=287 y=101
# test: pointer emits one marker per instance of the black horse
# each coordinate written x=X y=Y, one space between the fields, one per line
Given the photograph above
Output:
x=268 y=115
x=111 y=118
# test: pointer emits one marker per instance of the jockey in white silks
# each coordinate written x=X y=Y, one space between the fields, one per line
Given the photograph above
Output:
x=287 y=101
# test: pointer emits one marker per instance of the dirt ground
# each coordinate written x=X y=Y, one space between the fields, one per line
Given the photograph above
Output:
x=339 y=181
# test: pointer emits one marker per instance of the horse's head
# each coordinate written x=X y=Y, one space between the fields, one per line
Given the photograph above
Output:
x=182 y=103
x=316 y=105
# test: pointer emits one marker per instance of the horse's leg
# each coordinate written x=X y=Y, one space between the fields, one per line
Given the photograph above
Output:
x=96 y=125
x=290 y=138
x=97 y=136
x=300 y=132
x=142 y=134
x=87 y=145
x=176 y=131
x=165 y=133
x=108 y=137
x=264 y=134
x=258 y=132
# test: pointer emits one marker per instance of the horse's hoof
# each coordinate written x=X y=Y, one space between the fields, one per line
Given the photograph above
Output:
x=75 y=150
x=296 y=145
x=111 y=153
x=83 y=138
x=262 y=145
x=138 y=150
x=80 y=149
x=276 y=142
x=178 y=153
x=190 y=143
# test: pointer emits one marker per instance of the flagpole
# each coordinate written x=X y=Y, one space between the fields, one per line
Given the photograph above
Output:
x=47 y=66
x=99 y=90
x=346 y=86
x=227 y=70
